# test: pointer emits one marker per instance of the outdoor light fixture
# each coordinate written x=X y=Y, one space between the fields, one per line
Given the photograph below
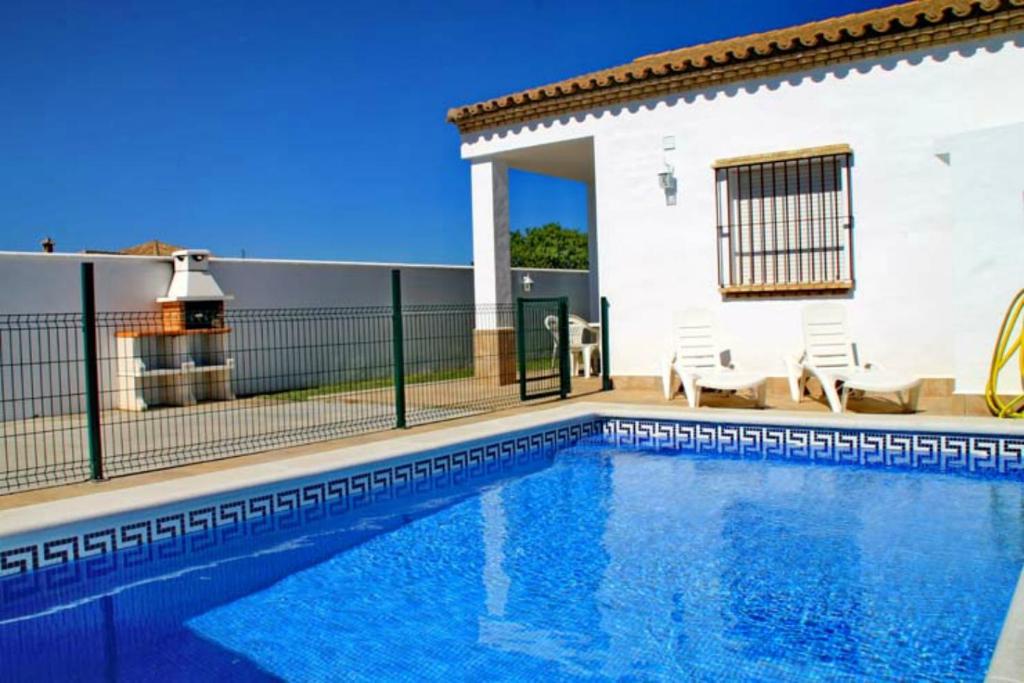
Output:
x=666 y=179
x=527 y=283
x=667 y=182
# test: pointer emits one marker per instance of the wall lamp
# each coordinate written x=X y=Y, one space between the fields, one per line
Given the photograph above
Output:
x=667 y=182
x=527 y=282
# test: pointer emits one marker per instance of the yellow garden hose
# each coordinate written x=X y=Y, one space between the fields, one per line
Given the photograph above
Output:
x=1001 y=356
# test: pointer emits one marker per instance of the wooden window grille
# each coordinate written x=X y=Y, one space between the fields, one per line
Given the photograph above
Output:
x=785 y=222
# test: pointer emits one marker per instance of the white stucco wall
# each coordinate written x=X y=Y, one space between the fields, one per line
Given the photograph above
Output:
x=654 y=259
x=987 y=181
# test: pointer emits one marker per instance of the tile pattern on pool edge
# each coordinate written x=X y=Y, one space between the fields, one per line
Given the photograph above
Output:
x=463 y=462
x=977 y=454
x=989 y=455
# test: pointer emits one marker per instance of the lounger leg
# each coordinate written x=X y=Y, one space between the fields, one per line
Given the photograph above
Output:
x=692 y=390
x=832 y=395
x=797 y=378
x=667 y=383
x=846 y=397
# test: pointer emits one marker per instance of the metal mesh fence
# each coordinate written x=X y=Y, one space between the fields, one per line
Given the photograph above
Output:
x=252 y=380
x=42 y=401
x=459 y=360
x=263 y=379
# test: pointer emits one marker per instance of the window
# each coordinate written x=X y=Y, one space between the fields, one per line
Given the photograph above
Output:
x=785 y=223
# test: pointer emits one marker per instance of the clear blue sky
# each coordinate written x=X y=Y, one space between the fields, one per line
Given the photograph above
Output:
x=297 y=129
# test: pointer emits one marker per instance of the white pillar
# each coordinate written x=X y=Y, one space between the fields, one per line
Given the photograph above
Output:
x=494 y=347
x=492 y=278
x=595 y=288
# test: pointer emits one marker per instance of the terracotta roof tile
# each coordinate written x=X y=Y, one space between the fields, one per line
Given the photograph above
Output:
x=151 y=248
x=758 y=55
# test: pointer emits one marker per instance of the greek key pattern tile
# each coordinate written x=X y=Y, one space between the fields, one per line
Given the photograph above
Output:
x=135 y=539
x=975 y=454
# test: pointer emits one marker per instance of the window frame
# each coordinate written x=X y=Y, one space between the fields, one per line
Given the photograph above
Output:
x=832 y=229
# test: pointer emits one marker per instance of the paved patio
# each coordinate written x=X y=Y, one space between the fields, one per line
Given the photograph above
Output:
x=53 y=450
x=345 y=420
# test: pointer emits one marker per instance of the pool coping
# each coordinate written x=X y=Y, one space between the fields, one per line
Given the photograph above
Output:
x=39 y=516
x=1008 y=658
x=1007 y=663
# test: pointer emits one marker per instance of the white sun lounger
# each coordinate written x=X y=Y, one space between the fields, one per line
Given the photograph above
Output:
x=696 y=360
x=829 y=356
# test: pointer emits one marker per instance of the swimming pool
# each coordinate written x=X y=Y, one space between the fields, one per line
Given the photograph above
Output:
x=628 y=549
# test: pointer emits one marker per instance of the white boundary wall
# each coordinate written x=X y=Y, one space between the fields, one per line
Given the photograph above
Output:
x=50 y=283
x=908 y=311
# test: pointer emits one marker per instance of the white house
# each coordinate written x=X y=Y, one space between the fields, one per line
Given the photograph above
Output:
x=874 y=158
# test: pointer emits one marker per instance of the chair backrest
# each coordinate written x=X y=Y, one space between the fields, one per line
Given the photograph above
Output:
x=579 y=328
x=576 y=332
x=695 y=340
x=551 y=322
x=573 y=318
x=827 y=342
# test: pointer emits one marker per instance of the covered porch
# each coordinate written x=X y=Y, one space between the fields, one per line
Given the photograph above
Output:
x=495 y=288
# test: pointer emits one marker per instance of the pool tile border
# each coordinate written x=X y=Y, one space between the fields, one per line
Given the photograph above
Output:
x=994 y=455
x=985 y=454
x=350 y=487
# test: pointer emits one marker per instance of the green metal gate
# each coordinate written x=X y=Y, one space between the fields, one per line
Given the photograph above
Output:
x=543 y=356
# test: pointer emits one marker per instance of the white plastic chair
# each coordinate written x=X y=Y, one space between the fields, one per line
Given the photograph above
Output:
x=697 y=361
x=580 y=350
x=579 y=345
x=829 y=356
x=551 y=323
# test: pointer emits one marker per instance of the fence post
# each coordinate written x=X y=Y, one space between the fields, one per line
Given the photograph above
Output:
x=90 y=362
x=606 y=372
x=397 y=347
x=521 y=346
x=565 y=380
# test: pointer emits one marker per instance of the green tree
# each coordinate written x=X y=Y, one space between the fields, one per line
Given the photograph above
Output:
x=549 y=246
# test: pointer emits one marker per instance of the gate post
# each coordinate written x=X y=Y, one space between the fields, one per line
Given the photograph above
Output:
x=521 y=347
x=91 y=363
x=398 y=347
x=606 y=366
x=565 y=381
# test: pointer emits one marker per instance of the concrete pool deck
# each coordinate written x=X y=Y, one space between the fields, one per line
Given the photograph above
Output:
x=933 y=404
x=1007 y=665
x=939 y=404
x=157 y=428
x=27 y=513
x=167 y=436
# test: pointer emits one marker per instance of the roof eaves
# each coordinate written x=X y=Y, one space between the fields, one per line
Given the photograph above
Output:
x=670 y=68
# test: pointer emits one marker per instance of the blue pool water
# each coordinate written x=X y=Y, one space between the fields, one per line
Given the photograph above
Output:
x=599 y=562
